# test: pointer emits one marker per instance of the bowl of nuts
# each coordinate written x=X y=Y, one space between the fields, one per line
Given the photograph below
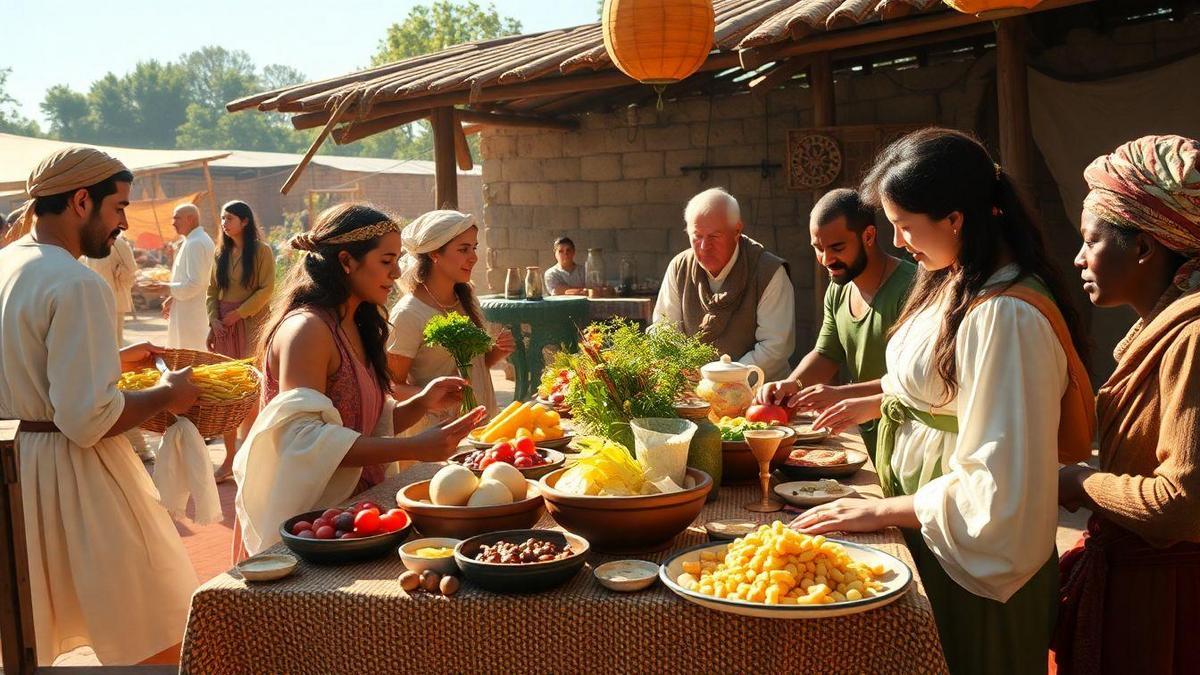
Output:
x=521 y=561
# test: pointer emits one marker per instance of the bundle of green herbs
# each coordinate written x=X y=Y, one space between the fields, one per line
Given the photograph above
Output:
x=621 y=373
x=464 y=340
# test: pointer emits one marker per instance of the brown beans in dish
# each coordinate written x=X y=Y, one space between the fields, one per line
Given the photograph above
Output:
x=529 y=551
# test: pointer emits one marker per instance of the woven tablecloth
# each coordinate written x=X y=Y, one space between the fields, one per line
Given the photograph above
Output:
x=357 y=619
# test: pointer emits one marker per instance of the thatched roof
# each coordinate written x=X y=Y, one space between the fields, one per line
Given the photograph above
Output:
x=528 y=80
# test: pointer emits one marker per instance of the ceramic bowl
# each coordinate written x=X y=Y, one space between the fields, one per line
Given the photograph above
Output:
x=414 y=562
x=554 y=460
x=524 y=577
x=267 y=567
x=339 y=551
x=626 y=576
x=728 y=530
x=634 y=524
x=855 y=460
x=461 y=522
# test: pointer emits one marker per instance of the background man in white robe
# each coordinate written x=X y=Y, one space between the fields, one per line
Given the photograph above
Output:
x=185 y=309
x=119 y=271
x=106 y=565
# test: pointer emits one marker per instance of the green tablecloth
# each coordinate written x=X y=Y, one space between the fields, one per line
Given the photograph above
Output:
x=536 y=324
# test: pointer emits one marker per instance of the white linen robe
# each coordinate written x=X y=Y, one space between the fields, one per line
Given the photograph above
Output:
x=991 y=517
x=291 y=461
x=106 y=565
x=187 y=326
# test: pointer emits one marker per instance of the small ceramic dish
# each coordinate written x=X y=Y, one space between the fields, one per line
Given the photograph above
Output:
x=805 y=433
x=416 y=563
x=267 y=567
x=805 y=493
x=626 y=576
x=728 y=530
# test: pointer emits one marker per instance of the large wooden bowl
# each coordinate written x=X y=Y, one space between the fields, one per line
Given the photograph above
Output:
x=463 y=522
x=626 y=524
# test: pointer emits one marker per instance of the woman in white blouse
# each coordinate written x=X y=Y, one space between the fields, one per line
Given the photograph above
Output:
x=437 y=280
x=971 y=404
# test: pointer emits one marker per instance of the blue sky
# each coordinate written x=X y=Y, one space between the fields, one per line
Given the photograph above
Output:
x=75 y=41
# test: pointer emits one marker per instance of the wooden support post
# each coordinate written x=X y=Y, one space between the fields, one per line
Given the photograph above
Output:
x=1012 y=95
x=820 y=83
x=16 y=609
x=462 y=150
x=445 y=159
x=212 y=200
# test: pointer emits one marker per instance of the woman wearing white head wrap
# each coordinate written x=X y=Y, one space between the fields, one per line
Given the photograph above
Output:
x=437 y=280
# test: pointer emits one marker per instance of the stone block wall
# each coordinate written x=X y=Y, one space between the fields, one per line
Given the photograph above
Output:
x=618 y=183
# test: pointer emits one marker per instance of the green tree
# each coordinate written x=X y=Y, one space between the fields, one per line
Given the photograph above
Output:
x=218 y=76
x=69 y=114
x=159 y=94
x=278 y=76
x=11 y=120
x=112 y=111
x=428 y=29
x=215 y=129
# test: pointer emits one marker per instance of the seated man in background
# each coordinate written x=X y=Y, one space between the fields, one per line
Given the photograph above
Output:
x=868 y=291
x=566 y=276
x=728 y=290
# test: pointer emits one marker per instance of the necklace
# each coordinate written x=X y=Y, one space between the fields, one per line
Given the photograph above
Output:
x=433 y=297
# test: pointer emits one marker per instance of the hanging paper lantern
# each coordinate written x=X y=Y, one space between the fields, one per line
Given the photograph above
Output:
x=992 y=9
x=658 y=41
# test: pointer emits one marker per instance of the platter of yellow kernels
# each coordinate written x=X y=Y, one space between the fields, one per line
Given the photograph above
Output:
x=776 y=572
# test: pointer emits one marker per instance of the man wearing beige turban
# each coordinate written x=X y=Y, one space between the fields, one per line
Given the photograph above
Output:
x=440 y=247
x=106 y=565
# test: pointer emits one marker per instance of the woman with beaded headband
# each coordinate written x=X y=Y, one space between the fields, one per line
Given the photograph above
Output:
x=437 y=280
x=1131 y=587
x=328 y=425
x=983 y=376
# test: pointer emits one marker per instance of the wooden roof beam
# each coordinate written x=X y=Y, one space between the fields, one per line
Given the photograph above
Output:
x=356 y=131
x=507 y=120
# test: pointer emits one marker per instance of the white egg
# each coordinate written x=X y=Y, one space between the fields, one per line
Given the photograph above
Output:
x=452 y=485
x=510 y=476
x=490 y=493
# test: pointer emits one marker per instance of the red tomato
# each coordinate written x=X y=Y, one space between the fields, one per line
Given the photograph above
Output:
x=486 y=462
x=307 y=534
x=301 y=526
x=330 y=514
x=767 y=413
x=367 y=521
x=502 y=452
x=325 y=532
x=523 y=461
x=363 y=506
x=526 y=445
x=393 y=521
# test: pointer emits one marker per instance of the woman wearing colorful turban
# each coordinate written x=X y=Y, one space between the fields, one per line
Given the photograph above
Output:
x=1131 y=588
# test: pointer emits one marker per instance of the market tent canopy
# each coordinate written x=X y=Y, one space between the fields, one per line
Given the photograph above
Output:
x=19 y=154
x=150 y=220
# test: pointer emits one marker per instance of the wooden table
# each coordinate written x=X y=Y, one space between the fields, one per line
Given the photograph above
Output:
x=356 y=619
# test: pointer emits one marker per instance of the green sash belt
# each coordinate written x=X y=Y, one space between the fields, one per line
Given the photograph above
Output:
x=894 y=413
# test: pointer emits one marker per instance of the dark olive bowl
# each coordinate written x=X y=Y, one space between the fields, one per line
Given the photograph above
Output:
x=855 y=460
x=525 y=577
x=554 y=460
x=340 y=551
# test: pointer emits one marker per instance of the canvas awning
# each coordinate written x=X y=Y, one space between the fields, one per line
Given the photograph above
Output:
x=19 y=154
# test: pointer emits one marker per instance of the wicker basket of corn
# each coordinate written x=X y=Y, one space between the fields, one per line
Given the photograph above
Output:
x=229 y=390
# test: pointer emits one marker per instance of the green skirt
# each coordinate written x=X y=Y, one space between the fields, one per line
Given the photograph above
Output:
x=980 y=635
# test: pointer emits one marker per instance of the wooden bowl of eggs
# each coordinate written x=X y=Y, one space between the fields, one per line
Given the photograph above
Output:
x=457 y=503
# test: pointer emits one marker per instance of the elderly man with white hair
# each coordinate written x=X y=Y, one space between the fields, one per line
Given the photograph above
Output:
x=185 y=309
x=729 y=290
